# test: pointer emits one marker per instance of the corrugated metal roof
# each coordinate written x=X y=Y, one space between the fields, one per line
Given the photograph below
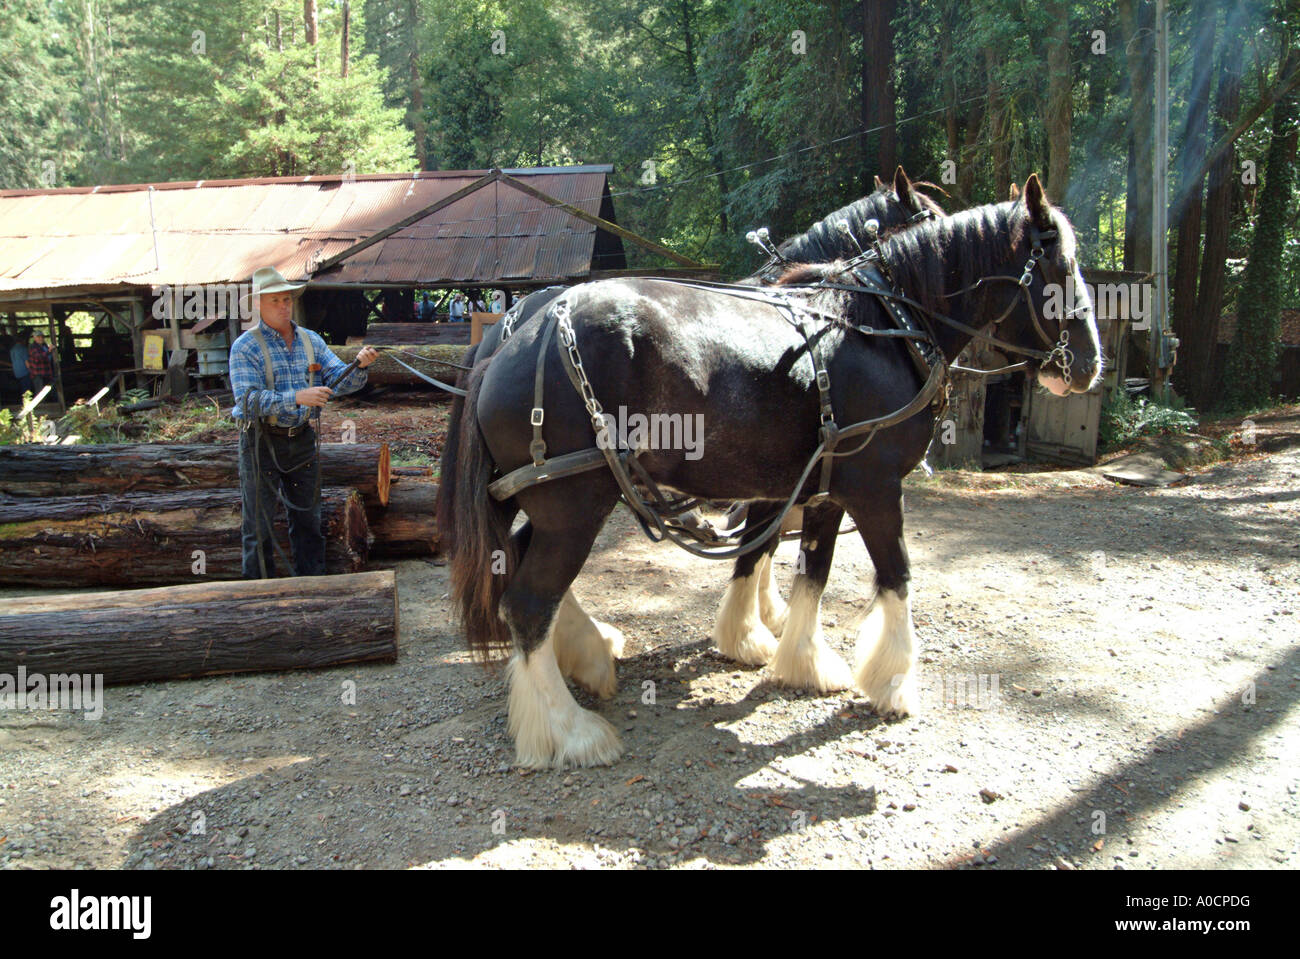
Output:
x=220 y=231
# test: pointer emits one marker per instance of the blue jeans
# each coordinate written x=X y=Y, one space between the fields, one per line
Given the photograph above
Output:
x=289 y=465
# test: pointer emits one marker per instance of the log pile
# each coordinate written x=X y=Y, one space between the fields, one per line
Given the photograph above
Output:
x=406 y=527
x=40 y=470
x=202 y=629
x=139 y=539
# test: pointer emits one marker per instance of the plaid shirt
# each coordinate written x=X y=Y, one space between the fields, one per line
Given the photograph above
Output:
x=290 y=370
x=39 y=362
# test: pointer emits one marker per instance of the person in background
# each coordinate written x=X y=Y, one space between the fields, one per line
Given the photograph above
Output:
x=40 y=364
x=480 y=306
x=425 y=312
x=457 y=308
x=498 y=304
x=18 y=357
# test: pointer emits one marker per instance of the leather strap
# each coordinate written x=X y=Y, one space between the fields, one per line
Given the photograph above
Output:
x=537 y=448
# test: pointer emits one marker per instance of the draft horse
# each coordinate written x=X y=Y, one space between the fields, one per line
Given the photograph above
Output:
x=581 y=643
x=773 y=378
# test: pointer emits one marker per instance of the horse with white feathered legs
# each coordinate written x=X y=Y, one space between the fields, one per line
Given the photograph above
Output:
x=892 y=206
x=806 y=397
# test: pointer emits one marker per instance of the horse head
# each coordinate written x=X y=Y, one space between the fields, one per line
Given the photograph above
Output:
x=1057 y=315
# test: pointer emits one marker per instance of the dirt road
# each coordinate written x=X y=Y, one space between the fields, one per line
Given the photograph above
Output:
x=1110 y=680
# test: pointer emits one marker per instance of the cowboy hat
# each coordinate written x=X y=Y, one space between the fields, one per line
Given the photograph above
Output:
x=268 y=279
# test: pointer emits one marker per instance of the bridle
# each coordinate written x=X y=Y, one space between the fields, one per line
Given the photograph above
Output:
x=1057 y=350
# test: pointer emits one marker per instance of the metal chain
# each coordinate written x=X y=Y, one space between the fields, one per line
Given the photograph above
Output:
x=570 y=343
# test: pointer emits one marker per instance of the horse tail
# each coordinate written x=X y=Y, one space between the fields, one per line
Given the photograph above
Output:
x=485 y=555
x=444 y=503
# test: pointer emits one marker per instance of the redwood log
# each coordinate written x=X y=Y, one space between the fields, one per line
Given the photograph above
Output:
x=139 y=539
x=385 y=372
x=141 y=635
x=406 y=526
x=39 y=470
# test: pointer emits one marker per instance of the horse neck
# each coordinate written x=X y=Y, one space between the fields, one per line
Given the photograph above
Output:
x=973 y=308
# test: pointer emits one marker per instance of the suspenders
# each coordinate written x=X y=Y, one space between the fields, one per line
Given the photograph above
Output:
x=269 y=367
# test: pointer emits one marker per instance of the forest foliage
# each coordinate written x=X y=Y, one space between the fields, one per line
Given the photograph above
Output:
x=717 y=115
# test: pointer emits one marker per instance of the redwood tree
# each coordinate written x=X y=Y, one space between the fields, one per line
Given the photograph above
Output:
x=1252 y=360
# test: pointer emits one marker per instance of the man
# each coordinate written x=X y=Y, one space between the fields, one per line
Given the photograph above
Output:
x=40 y=364
x=457 y=309
x=18 y=358
x=280 y=373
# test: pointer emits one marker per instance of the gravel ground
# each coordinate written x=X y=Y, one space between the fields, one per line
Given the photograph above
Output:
x=1109 y=675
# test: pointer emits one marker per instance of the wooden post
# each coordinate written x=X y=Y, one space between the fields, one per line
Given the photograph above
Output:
x=54 y=358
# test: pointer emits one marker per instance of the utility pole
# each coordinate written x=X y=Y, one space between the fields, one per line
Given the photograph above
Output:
x=1162 y=343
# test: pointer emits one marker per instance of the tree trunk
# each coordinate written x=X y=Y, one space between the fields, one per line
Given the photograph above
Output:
x=309 y=20
x=203 y=629
x=879 y=149
x=139 y=539
x=1187 y=206
x=1199 y=348
x=709 y=124
x=417 y=88
x=1060 y=83
x=406 y=526
x=1138 y=40
x=39 y=470
x=343 y=40
x=999 y=141
x=1253 y=357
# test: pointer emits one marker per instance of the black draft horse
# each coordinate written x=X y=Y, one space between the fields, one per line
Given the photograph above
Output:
x=743 y=369
x=586 y=648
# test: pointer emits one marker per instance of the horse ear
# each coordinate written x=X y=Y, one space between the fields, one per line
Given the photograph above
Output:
x=903 y=187
x=1036 y=203
x=1015 y=192
x=880 y=184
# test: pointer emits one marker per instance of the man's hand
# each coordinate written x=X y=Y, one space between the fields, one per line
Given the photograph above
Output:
x=366 y=356
x=315 y=396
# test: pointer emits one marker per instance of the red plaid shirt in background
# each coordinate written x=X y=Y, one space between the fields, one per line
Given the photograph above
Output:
x=39 y=362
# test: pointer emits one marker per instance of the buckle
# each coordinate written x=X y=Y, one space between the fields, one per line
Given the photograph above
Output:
x=823 y=381
x=537 y=416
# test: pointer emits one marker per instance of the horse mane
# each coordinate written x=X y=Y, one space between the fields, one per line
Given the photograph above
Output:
x=943 y=254
x=823 y=242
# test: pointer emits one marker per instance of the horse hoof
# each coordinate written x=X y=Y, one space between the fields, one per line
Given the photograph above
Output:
x=585 y=739
x=811 y=665
x=613 y=637
x=892 y=697
x=597 y=676
x=754 y=647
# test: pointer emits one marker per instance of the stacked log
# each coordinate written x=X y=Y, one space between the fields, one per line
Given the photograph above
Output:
x=137 y=539
x=39 y=470
x=385 y=372
x=203 y=629
x=415 y=334
x=406 y=527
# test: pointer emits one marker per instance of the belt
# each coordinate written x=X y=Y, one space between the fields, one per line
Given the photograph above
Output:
x=284 y=430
